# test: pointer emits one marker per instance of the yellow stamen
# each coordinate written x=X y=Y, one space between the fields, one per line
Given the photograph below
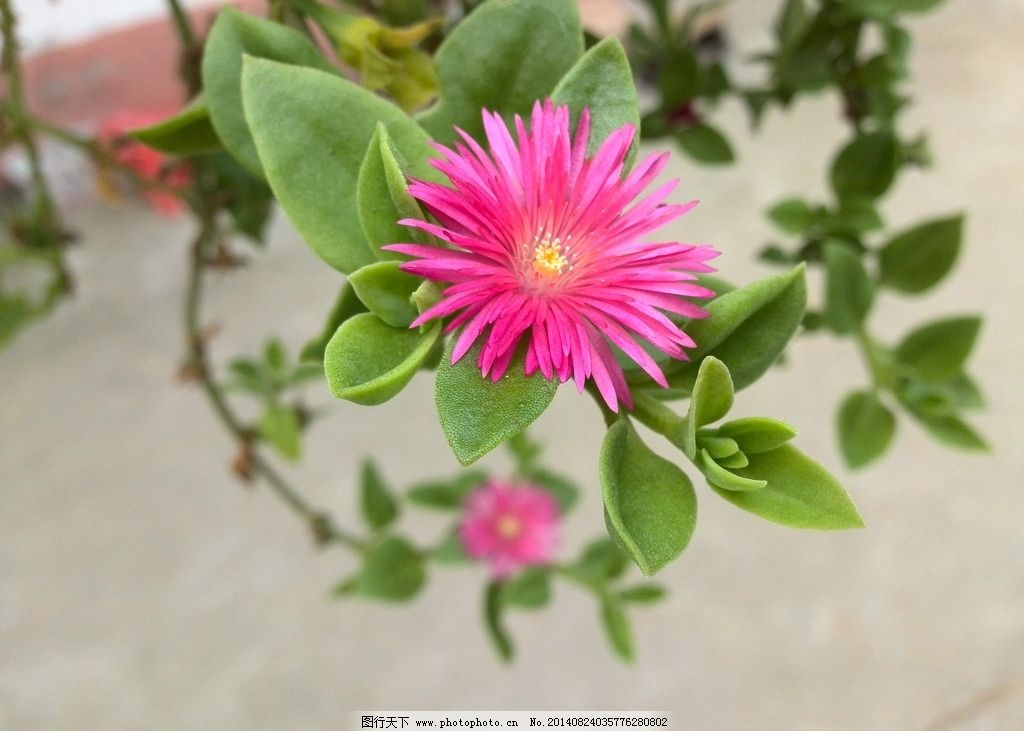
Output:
x=509 y=526
x=548 y=259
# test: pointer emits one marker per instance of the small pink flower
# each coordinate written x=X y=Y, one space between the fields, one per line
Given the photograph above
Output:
x=543 y=243
x=510 y=526
x=147 y=162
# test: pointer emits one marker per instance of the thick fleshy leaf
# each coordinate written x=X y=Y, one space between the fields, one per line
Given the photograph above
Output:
x=747 y=329
x=866 y=167
x=950 y=429
x=234 y=35
x=446 y=495
x=188 y=132
x=369 y=362
x=347 y=305
x=800 y=492
x=476 y=413
x=529 y=589
x=312 y=130
x=503 y=57
x=601 y=560
x=642 y=594
x=378 y=505
x=387 y=291
x=616 y=627
x=888 y=8
x=720 y=477
x=918 y=258
x=563 y=490
x=793 y=215
x=848 y=288
x=392 y=570
x=937 y=351
x=493 y=621
x=603 y=82
x=711 y=399
x=756 y=434
x=382 y=195
x=705 y=144
x=650 y=506
x=280 y=427
x=866 y=428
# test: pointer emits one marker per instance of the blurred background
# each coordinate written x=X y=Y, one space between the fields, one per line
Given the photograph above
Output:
x=143 y=587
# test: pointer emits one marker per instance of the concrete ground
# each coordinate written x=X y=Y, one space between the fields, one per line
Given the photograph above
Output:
x=141 y=587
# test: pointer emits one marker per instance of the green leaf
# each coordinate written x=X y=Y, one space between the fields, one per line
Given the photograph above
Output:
x=529 y=589
x=279 y=426
x=562 y=489
x=247 y=198
x=918 y=259
x=889 y=8
x=392 y=570
x=347 y=305
x=378 y=506
x=450 y=550
x=503 y=57
x=792 y=215
x=679 y=78
x=369 y=362
x=705 y=144
x=848 y=288
x=756 y=434
x=747 y=329
x=446 y=495
x=492 y=620
x=188 y=132
x=642 y=594
x=866 y=167
x=387 y=291
x=312 y=131
x=855 y=215
x=476 y=413
x=792 y=22
x=733 y=461
x=718 y=447
x=275 y=356
x=937 y=351
x=234 y=35
x=617 y=629
x=800 y=492
x=710 y=401
x=866 y=428
x=602 y=81
x=650 y=506
x=950 y=429
x=720 y=477
x=382 y=195
x=601 y=560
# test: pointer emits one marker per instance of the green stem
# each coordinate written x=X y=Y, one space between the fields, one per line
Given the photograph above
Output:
x=320 y=523
x=191 y=51
x=21 y=129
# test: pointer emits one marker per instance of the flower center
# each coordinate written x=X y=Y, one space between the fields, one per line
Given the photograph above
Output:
x=509 y=527
x=548 y=259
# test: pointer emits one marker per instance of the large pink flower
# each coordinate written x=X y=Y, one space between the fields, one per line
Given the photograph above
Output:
x=545 y=243
x=510 y=526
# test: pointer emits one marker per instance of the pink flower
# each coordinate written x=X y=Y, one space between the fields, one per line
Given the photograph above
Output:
x=511 y=526
x=147 y=162
x=545 y=244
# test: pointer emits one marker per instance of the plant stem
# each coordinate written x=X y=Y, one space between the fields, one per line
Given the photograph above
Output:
x=320 y=523
x=191 y=51
x=21 y=128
